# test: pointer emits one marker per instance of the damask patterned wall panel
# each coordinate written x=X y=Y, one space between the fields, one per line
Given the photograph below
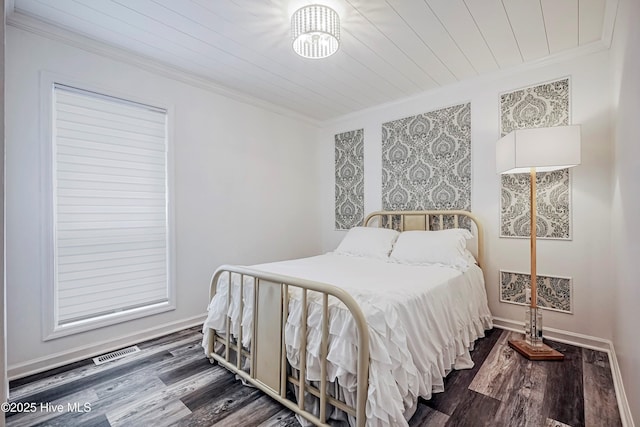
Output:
x=426 y=161
x=554 y=293
x=349 y=158
x=544 y=105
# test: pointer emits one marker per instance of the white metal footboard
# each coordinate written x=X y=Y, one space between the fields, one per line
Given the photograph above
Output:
x=267 y=356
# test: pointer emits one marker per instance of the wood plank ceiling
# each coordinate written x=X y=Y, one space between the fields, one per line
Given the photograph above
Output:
x=390 y=49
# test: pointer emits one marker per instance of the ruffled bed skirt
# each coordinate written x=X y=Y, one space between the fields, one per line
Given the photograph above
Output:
x=415 y=341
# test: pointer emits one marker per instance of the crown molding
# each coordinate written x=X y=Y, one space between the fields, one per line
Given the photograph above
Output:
x=58 y=33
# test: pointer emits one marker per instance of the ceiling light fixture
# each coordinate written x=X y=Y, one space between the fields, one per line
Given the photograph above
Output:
x=316 y=31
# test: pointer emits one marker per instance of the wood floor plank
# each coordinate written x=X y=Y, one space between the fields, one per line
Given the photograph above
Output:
x=52 y=373
x=89 y=421
x=163 y=413
x=171 y=339
x=475 y=410
x=554 y=423
x=524 y=403
x=166 y=367
x=111 y=395
x=180 y=372
x=282 y=418
x=254 y=413
x=216 y=411
x=28 y=419
x=195 y=346
x=213 y=391
x=168 y=398
x=427 y=416
x=600 y=404
x=564 y=393
x=594 y=357
x=83 y=382
x=500 y=370
x=119 y=389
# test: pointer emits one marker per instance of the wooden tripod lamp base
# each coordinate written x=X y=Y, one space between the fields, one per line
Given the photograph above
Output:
x=543 y=352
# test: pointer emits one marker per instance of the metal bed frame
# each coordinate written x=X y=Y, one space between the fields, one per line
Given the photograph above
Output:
x=267 y=356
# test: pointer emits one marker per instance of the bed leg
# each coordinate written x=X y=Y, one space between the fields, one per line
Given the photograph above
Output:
x=213 y=361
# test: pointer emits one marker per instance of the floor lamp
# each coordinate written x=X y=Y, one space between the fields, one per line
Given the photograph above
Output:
x=528 y=151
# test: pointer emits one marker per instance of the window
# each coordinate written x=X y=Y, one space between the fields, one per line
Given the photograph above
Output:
x=110 y=221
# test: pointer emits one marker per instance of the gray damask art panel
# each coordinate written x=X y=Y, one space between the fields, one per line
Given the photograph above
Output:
x=554 y=293
x=426 y=161
x=544 y=105
x=349 y=158
x=552 y=218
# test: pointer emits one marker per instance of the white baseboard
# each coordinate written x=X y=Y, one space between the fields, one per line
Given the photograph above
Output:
x=623 y=403
x=586 y=341
x=55 y=360
x=559 y=335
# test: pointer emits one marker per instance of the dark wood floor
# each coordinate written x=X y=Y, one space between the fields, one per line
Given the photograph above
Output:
x=171 y=383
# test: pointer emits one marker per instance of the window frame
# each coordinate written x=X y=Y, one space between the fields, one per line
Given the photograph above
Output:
x=51 y=329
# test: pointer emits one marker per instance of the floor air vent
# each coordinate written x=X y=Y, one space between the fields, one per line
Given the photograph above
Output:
x=118 y=354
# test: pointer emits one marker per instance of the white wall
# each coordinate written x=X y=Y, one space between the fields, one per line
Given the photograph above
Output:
x=245 y=188
x=587 y=257
x=626 y=203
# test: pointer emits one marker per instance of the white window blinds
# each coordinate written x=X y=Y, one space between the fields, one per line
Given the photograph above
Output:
x=110 y=205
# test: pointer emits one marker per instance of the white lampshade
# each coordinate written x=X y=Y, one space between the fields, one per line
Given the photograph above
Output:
x=544 y=149
x=315 y=30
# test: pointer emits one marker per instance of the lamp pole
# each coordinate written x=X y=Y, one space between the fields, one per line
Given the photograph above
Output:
x=533 y=223
x=533 y=347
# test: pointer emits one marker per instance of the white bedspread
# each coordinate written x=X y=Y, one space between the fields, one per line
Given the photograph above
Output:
x=422 y=321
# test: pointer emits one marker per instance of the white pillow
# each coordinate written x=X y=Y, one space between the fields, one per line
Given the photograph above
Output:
x=442 y=247
x=370 y=242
